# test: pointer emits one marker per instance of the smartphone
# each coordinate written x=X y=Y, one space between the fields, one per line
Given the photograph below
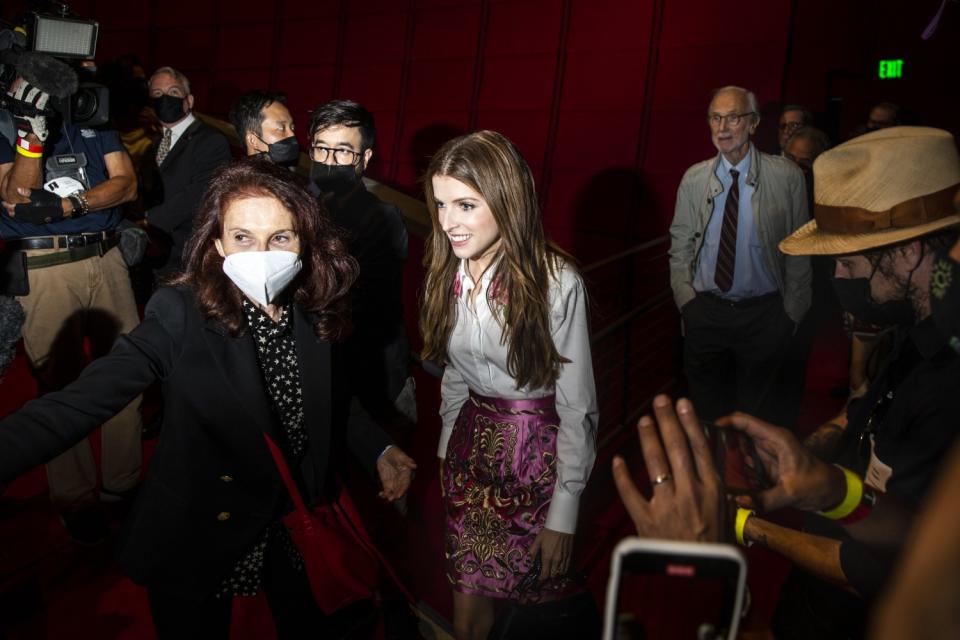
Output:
x=665 y=589
x=731 y=452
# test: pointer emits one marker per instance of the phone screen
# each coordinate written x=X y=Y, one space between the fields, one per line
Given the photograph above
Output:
x=674 y=596
x=735 y=454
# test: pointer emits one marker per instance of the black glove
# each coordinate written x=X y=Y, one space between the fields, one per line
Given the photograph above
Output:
x=133 y=244
x=44 y=207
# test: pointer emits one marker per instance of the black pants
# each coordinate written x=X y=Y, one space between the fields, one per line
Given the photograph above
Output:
x=736 y=358
x=288 y=595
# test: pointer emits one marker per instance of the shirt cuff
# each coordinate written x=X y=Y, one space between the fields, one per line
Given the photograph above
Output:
x=445 y=433
x=563 y=511
x=385 y=449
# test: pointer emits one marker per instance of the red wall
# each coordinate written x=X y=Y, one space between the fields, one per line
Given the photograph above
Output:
x=605 y=98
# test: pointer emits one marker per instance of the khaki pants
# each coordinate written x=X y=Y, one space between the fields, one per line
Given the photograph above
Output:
x=89 y=301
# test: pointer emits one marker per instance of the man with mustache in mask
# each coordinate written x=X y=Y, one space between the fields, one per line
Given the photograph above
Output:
x=264 y=125
x=342 y=135
x=183 y=160
x=884 y=213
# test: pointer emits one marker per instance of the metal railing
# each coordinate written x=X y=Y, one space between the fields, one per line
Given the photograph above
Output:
x=635 y=337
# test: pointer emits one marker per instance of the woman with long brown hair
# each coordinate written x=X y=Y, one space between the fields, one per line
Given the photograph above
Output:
x=506 y=312
x=242 y=344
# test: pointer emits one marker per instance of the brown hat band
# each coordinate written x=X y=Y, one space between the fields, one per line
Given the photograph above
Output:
x=910 y=213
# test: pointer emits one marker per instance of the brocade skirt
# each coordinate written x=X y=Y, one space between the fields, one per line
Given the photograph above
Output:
x=498 y=478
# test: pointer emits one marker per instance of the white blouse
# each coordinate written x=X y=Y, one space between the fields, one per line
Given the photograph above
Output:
x=478 y=361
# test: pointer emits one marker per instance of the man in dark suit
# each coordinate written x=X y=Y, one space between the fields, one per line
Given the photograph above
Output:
x=178 y=167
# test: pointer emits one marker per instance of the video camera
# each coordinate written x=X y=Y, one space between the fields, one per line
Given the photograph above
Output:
x=41 y=49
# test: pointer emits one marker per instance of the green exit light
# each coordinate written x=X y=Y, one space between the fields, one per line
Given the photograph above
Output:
x=890 y=69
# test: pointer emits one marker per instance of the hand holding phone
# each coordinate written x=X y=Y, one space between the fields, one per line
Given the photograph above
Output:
x=735 y=456
x=664 y=589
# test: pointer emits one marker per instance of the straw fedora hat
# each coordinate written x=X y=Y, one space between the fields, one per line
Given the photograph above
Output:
x=878 y=189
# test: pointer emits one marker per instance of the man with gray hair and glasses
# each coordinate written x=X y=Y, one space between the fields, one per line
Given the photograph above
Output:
x=740 y=298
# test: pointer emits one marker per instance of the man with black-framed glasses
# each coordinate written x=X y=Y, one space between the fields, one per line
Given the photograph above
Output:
x=740 y=298
x=342 y=135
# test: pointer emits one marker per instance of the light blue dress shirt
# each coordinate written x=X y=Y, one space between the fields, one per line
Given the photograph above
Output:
x=750 y=277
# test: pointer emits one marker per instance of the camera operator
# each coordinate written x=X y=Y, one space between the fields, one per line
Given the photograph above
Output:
x=78 y=286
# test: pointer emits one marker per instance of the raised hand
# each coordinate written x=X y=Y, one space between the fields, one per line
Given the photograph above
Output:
x=688 y=497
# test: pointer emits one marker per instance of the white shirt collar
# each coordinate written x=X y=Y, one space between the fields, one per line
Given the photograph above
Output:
x=177 y=130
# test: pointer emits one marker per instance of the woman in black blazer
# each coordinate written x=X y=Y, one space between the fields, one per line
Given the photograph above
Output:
x=205 y=526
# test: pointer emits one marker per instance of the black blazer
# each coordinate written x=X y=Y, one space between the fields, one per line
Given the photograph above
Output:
x=212 y=486
x=172 y=191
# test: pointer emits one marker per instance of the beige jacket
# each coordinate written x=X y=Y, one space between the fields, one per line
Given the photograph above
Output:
x=779 y=206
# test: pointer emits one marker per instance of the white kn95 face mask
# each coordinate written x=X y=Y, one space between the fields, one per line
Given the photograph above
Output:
x=262 y=275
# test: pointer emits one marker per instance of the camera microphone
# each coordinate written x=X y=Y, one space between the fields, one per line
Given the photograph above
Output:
x=44 y=72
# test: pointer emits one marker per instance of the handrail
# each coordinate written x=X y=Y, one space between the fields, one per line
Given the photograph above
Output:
x=639 y=310
x=624 y=254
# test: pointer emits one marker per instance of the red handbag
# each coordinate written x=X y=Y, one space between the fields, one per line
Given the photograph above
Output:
x=340 y=559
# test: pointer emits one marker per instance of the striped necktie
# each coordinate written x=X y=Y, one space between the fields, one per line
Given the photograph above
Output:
x=164 y=147
x=727 y=253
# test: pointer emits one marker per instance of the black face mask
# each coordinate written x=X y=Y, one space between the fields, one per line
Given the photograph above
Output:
x=168 y=108
x=854 y=296
x=283 y=152
x=334 y=178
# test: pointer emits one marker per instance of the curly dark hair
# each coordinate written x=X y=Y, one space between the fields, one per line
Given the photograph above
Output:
x=321 y=288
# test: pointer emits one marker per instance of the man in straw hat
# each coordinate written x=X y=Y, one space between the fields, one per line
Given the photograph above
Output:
x=883 y=211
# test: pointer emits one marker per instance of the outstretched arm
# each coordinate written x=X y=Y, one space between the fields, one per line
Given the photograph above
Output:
x=51 y=424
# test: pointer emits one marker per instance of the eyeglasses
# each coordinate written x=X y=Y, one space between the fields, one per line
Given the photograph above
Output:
x=790 y=126
x=733 y=119
x=340 y=155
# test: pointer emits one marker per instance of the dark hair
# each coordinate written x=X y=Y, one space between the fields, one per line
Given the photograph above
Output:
x=930 y=245
x=814 y=135
x=328 y=271
x=346 y=113
x=246 y=114
x=806 y=116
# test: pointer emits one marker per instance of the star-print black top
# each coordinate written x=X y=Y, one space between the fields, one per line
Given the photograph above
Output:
x=277 y=352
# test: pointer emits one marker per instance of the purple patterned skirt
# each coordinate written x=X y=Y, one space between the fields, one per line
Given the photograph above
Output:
x=498 y=478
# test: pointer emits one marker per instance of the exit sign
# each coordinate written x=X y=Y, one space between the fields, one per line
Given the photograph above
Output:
x=890 y=69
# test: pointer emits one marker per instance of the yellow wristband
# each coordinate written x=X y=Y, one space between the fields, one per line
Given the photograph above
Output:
x=740 y=523
x=851 y=500
x=29 y=154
